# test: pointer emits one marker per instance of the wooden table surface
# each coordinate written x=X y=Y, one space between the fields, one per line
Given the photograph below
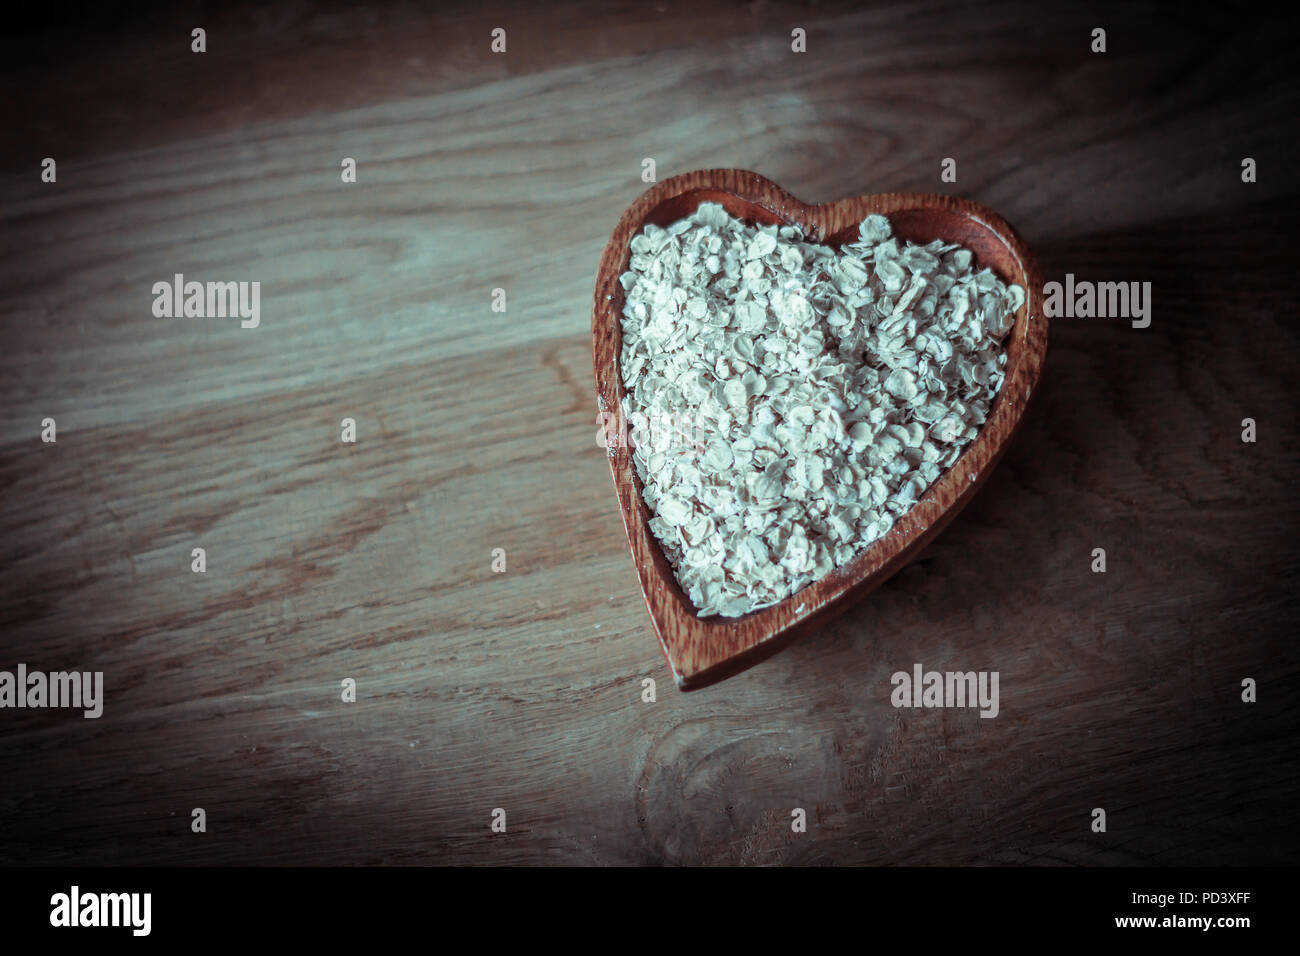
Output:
x=476 y=430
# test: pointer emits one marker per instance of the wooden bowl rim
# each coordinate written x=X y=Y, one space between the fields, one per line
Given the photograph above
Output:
x=700 y=650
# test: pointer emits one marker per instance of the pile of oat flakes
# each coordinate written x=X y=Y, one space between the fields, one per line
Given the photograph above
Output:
x=788 y=401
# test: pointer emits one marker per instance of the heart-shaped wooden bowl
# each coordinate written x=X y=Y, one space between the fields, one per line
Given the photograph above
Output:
x=700 y=650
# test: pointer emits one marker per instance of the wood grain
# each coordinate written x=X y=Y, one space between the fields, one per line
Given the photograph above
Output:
x=478 y=430
x=703 y=650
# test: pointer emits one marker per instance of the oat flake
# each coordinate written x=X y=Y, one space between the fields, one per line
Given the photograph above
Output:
x=788 y=401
